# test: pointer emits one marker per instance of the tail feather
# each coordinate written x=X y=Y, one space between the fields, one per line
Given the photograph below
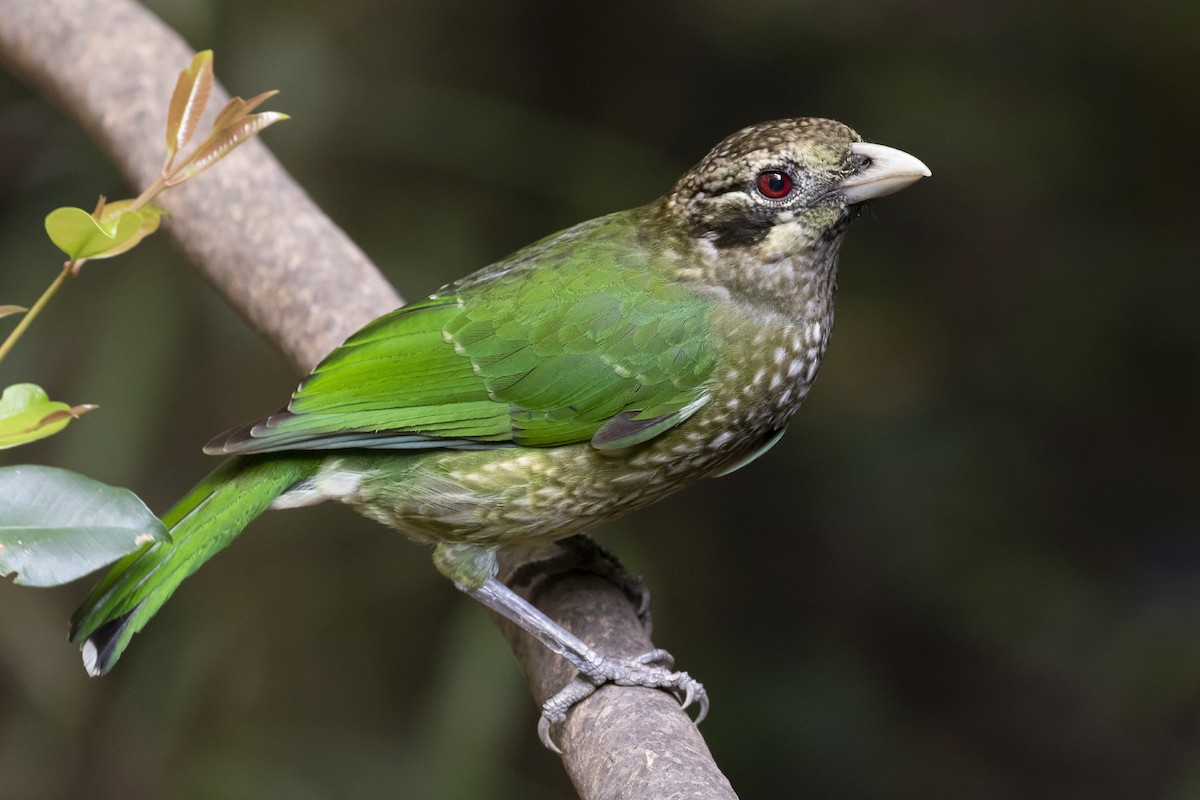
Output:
x=201 y=524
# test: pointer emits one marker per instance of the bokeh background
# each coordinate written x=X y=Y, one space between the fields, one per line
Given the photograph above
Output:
x=971 y=569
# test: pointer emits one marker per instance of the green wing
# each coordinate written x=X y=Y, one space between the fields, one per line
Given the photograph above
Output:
x=568 y=341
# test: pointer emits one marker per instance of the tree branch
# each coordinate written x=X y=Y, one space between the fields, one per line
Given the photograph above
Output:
x=301 y=283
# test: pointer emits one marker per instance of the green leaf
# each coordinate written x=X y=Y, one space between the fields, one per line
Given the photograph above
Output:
x=28 y=414
x=56 y=526
x=151 y=214
x=80 y=235
x=188 y=101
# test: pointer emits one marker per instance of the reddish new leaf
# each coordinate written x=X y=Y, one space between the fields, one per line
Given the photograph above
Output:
x=222 y=142
x=237 y=108
x=188 y=101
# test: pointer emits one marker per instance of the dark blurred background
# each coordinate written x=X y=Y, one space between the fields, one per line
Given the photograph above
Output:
x=971 y=569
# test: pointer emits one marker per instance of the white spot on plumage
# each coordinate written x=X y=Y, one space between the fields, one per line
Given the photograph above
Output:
x=91 y=659
x=305 y=493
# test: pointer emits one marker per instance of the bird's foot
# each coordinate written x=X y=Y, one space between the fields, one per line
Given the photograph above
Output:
x=581 y=552
x=651 y=670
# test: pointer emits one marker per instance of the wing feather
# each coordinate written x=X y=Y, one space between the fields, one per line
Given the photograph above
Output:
x=600 y=343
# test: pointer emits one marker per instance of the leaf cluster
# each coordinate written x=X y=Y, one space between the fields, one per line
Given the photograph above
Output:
x=56 y=526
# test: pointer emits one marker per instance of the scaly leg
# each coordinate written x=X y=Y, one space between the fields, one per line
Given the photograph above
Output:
x=651 y=670
x=582 y=552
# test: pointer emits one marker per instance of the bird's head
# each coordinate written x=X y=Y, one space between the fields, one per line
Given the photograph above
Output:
x=775 y=190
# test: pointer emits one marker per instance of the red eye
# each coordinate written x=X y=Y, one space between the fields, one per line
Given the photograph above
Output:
x=774 y=184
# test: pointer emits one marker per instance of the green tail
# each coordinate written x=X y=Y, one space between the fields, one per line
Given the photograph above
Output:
x=201 y=524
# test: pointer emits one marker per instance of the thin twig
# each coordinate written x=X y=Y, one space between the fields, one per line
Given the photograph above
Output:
x=67 y=271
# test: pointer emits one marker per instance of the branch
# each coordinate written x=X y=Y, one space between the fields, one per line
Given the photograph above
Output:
x=620 y=743
x=300 y=282
x=247 y=226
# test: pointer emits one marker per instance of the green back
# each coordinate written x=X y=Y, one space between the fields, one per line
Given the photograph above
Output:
x=584 y=336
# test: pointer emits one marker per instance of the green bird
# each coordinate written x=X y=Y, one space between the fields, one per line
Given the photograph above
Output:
x=585 y=376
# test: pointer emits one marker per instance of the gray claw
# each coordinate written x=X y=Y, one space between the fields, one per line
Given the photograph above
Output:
x=544 y=736
x=695 y=691
x=651 y=670
x=555 y=709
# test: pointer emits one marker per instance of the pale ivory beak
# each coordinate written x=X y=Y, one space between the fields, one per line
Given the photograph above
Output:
x=890 y=171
